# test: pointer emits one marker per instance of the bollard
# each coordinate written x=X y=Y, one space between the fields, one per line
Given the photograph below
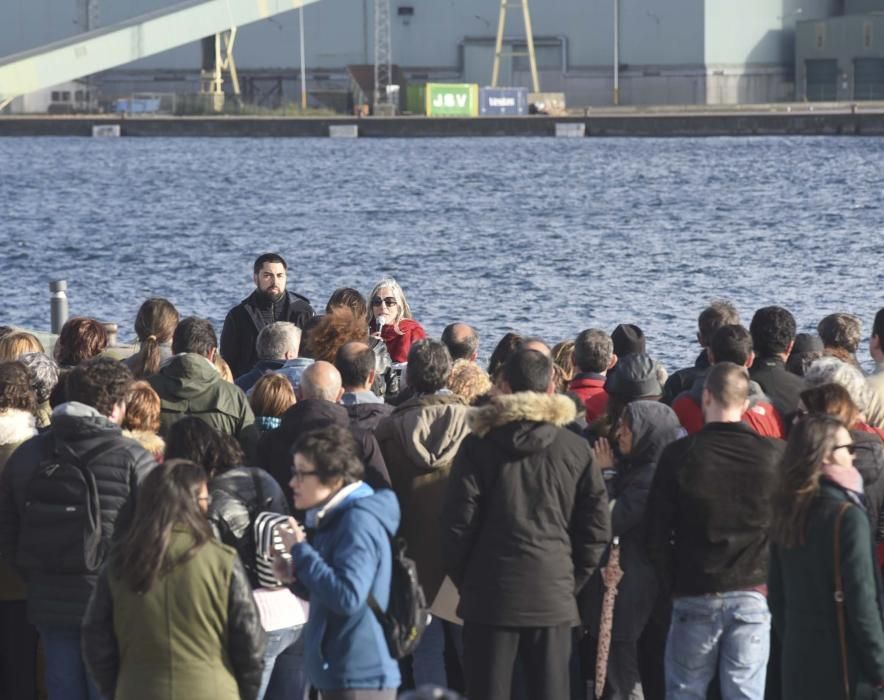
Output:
x=112 y=330
x=58 y=304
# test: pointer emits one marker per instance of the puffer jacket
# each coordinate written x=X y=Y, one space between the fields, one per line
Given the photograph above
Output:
x=654 y=426
x=525 y=520
x=399 y=341
x=56 y=598
x=188 y=384
x=348 y=558
x=195 y=634
x=419 y=441
x=235 y=504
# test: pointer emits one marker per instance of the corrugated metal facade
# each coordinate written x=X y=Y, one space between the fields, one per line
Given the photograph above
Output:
x=678 y=51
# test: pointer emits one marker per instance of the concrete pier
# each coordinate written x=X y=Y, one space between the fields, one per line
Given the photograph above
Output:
x=805 y=119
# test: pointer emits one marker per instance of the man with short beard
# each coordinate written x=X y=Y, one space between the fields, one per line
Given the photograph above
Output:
x=270 y=302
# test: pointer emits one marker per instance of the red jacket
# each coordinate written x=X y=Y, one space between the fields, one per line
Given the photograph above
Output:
x=399 y=343
x=590 y=388
x=762 y=417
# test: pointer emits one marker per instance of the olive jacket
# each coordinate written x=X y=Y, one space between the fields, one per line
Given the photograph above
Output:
x=194 y=634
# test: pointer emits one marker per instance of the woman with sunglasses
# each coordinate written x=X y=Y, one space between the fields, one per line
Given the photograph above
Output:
x=822 y=542
x=172 y=614
x=390 y=318
x=347 y=559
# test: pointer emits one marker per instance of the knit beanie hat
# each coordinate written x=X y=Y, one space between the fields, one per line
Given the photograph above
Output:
x=807 y=342
x=43 y=371
x=636 y=377
x=628 y=339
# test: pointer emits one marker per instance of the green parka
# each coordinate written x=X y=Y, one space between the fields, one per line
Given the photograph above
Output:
x=194 y=634
x=801 y=599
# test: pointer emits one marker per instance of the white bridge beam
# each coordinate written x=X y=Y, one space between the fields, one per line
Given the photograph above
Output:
x=139 y=37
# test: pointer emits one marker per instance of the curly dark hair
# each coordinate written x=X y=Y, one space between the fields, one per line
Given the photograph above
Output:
x=101 y=382
x=15 y=388
x=191 y=438
x=773 y=330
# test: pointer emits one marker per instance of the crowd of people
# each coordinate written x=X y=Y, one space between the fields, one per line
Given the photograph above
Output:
x=224 y=519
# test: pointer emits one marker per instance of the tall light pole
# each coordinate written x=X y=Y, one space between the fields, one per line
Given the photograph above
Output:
x=616 y=52
x=303 y=59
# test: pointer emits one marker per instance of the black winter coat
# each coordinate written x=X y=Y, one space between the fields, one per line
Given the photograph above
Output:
x=244 y=321
x=274 y=449
x=781 y=386
x=683 y=379
x=711 y=496
x=525 y=521
x=366 y=416
x=55 y=598
x=235 y=504
x=653 y=427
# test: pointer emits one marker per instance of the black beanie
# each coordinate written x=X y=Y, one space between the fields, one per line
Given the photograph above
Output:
x=807 y=342
x=628 y=339
x=636 y=376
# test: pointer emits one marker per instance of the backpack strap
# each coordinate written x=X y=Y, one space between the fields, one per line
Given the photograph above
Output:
x=839 y=600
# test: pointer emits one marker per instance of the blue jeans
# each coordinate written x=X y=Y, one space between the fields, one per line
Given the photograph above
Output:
x=727 y=632
x=428 y=660
x=66 y=676
x=283 y=677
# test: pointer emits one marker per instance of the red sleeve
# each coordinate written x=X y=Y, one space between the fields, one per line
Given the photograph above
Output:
x=690 y=415
x=765 y=420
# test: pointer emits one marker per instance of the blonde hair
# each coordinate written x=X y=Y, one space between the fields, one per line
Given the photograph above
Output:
x=468 y=380
x=223 y=368
x=398 y=295
x=272 y=395
x=14 y=345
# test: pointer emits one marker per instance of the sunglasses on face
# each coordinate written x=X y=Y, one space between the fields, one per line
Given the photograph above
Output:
x=386 y=301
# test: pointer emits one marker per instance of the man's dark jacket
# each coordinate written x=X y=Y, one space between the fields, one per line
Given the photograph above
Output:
x=781 y=386
x=54 y=598
x=711 y=496
x=274 y=449
x=245 y=320
x=366 y=416
x=683 y=379
x=525 y=521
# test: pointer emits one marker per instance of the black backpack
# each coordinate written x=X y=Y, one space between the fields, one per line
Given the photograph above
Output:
x=61 y=522
x=407 y=615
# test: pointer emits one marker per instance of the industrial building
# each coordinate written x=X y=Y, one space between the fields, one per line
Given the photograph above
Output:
x=673 y=52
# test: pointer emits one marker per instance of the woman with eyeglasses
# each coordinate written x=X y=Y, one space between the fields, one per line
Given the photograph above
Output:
x=821 y=553
x=172 y=615
x=390 y=318
x=347 y=559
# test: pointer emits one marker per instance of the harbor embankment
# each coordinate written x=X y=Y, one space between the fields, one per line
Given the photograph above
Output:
x=808 y=119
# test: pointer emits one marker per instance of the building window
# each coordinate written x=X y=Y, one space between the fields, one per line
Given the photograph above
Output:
x=56 y=96
x=78 y=96
x=65 y=96
x=867 y=35
x=405 y=11
x=820 y=35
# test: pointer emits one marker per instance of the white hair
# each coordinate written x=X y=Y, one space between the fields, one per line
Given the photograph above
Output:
x=276 y=339
x=831 y=370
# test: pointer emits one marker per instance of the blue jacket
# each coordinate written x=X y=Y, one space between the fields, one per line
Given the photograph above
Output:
x=348 y=558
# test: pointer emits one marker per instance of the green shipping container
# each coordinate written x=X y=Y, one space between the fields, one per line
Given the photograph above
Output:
x=452 y=100
x=416 y=98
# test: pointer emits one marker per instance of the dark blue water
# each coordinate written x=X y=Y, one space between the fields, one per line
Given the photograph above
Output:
x=542 y=236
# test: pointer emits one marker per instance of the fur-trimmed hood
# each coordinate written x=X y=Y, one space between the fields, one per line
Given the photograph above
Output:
x=521 y=406
x=16 y=427
x=151 y=442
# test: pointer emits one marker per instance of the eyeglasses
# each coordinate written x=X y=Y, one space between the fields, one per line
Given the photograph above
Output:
x=851 y=448
x=386 y=301
x=300 y=476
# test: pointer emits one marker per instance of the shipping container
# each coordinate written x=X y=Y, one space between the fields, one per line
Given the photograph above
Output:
x=416 y=98
x=452 y=100
x=508 y=102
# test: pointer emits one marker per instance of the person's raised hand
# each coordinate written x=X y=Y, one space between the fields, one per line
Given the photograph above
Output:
x=602 y=454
